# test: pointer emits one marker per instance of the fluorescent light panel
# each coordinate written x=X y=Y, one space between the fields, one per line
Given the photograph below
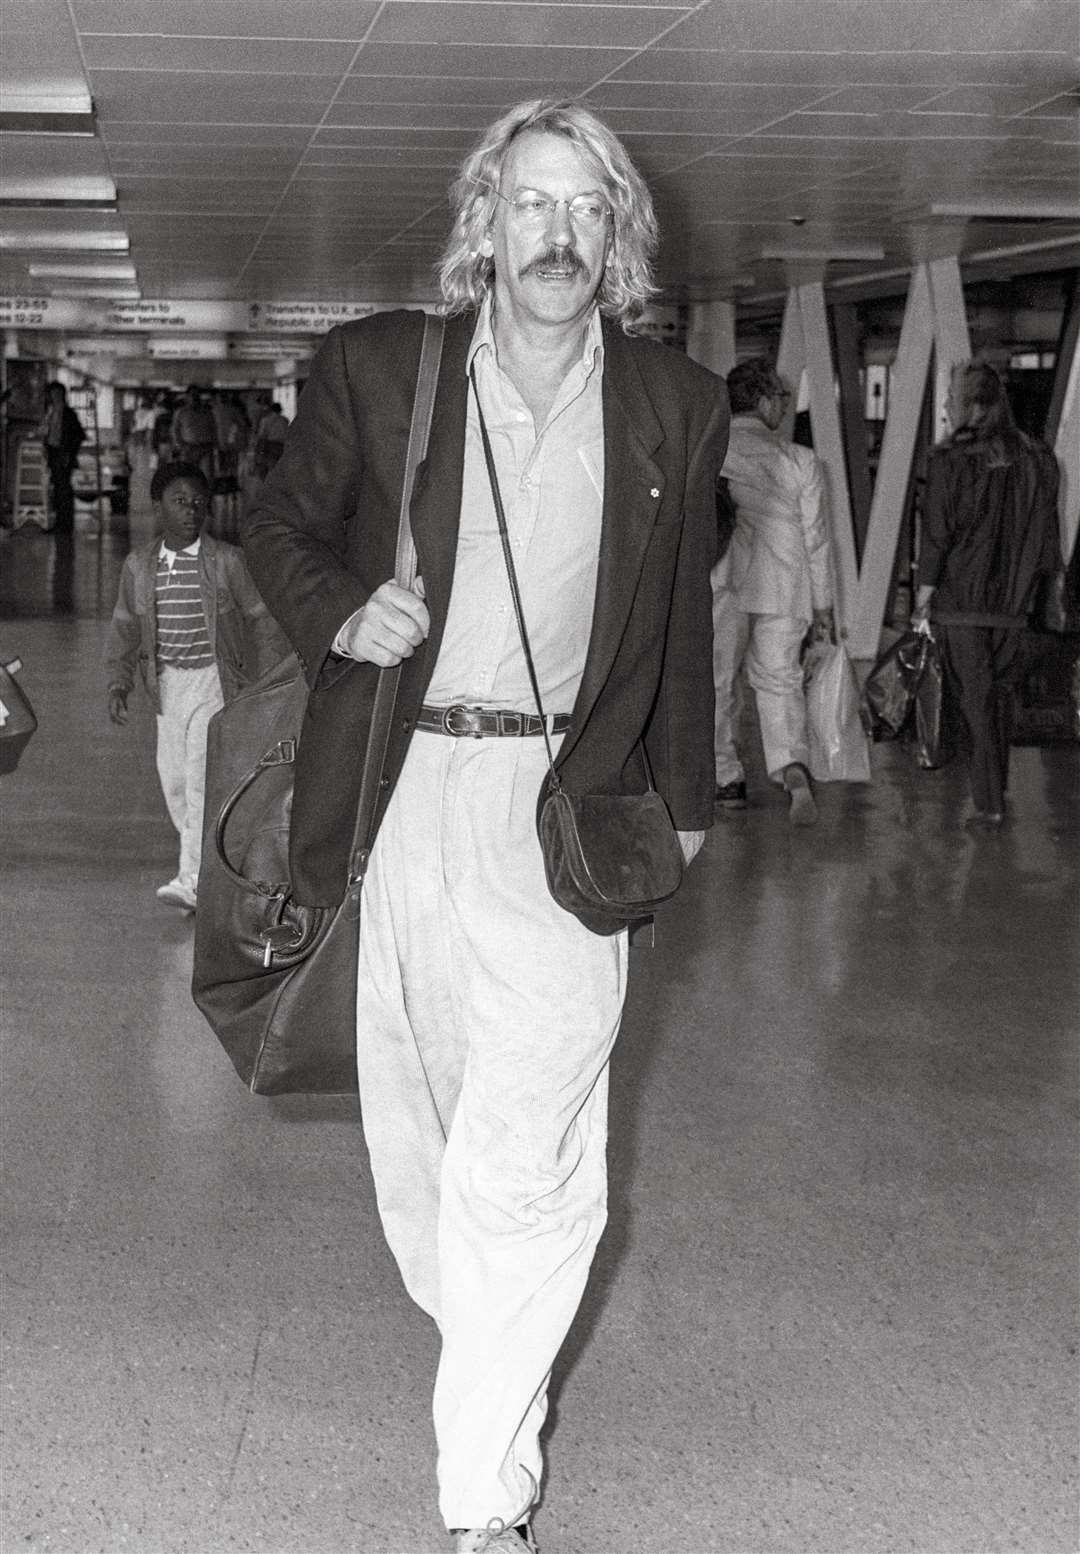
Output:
x=56 y=113
x=847 y=251
x=1009 y=209
x=95 y=193
x=44 y=242
x=104 y=289
x=121 y=270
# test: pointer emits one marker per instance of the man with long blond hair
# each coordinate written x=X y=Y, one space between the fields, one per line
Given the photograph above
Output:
x=486 y=1014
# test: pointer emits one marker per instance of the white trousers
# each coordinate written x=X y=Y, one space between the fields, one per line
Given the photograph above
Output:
x=485 y=1019
x=189 y=699
x=769 y=646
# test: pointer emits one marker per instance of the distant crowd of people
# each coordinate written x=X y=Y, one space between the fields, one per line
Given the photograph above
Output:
x=225 y=433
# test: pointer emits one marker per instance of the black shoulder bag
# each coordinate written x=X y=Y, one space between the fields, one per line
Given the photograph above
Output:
x=610 y=858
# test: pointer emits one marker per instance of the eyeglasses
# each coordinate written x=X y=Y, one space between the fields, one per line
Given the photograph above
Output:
x=191 y=504
x=534 y=209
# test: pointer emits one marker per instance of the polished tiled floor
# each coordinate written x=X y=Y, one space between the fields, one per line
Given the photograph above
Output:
x=835 y=1310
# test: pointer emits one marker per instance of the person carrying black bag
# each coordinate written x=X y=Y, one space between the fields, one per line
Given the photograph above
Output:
x=990 y=537
x=486 y=1013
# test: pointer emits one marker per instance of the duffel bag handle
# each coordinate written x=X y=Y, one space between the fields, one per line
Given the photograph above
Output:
x=292 y=931
x=281 y=754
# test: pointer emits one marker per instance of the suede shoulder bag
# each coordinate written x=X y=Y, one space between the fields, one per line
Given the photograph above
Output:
x=610 y=858
x=277 y=979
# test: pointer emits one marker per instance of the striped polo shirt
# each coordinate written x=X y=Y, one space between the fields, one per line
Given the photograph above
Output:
x=183 y=637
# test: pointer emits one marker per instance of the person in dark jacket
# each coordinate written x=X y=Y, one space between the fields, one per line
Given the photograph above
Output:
x=64 y=436
x=486 y=1014
x=990 y=536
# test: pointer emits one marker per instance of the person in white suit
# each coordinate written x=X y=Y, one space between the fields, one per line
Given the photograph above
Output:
x=769 y=588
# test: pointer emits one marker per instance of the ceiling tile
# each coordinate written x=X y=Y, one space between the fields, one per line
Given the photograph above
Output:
x=493 y=59
x=390 y=160
x=472 y=21
x=999 y=102
x=431 y=116
x=394 y=137
x=207 y=98
x=836 y=67
x=717 y=123
x=745 y=98
x=867 y=26
x=258 y=56
x=344 y=19
x=240 y=137
x=467 y=91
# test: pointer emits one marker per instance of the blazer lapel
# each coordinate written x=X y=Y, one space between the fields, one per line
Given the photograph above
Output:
x=436 y=504
x=633 y=490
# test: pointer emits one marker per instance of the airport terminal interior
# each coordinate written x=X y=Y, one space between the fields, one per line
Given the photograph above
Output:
x=835 y=1308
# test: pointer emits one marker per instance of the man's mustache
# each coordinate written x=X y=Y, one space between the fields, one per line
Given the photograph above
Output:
x=556 y=257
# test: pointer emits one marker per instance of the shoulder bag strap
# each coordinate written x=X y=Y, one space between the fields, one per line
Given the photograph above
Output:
x=382 y=712
x=515 y=593
x=511 y=572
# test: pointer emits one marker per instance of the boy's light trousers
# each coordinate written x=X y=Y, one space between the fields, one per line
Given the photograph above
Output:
x=485 y=1019
x=189 y=699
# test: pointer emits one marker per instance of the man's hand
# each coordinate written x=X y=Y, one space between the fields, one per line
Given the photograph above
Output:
x=823 y=626
x=118 y=709
x=388 y=628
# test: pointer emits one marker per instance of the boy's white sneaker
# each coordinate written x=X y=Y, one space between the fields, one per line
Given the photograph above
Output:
x=176 y=893
x=495 y=1538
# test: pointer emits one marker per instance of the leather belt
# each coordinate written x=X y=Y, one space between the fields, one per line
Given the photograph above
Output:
x=487 y=722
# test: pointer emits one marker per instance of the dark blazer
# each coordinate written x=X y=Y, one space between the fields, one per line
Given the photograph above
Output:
x=321 y=538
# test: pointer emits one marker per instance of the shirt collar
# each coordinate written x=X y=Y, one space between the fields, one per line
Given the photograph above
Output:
x=592 y=353
x=165 y=554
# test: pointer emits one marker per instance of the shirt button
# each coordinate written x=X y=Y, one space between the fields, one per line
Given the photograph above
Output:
x=522 y=416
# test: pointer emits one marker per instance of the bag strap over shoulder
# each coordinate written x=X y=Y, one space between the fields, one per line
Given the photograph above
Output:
x=382 y=712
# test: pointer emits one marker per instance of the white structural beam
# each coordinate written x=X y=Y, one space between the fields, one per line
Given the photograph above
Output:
x=894 y=469
x=1067 y=448
x=710 y=335
x=951 y=338
x=791 y=355
x=829 y=447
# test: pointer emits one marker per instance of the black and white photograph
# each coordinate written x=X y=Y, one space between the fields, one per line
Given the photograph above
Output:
x=539 y=777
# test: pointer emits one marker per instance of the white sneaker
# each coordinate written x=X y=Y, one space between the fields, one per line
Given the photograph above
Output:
x=176 y=893
x=495 y=1538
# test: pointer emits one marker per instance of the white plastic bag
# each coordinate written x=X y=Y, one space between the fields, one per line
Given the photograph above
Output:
x=839 y=751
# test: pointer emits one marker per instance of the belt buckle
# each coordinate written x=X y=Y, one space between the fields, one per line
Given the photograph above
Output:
x=448 y=725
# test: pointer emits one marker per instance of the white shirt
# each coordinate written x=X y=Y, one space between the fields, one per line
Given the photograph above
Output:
x=551 y=479
x=169 y=556
x=778 y=559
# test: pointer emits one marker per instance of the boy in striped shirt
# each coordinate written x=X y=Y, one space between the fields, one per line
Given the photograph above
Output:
x=190 y=617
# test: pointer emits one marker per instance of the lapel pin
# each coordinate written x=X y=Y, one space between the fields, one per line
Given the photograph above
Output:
x=655 y=491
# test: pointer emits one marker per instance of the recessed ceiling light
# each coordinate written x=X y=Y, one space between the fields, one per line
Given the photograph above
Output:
x=69 y=241
x=55 y=113
x=90 y=193
x=121 y=270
